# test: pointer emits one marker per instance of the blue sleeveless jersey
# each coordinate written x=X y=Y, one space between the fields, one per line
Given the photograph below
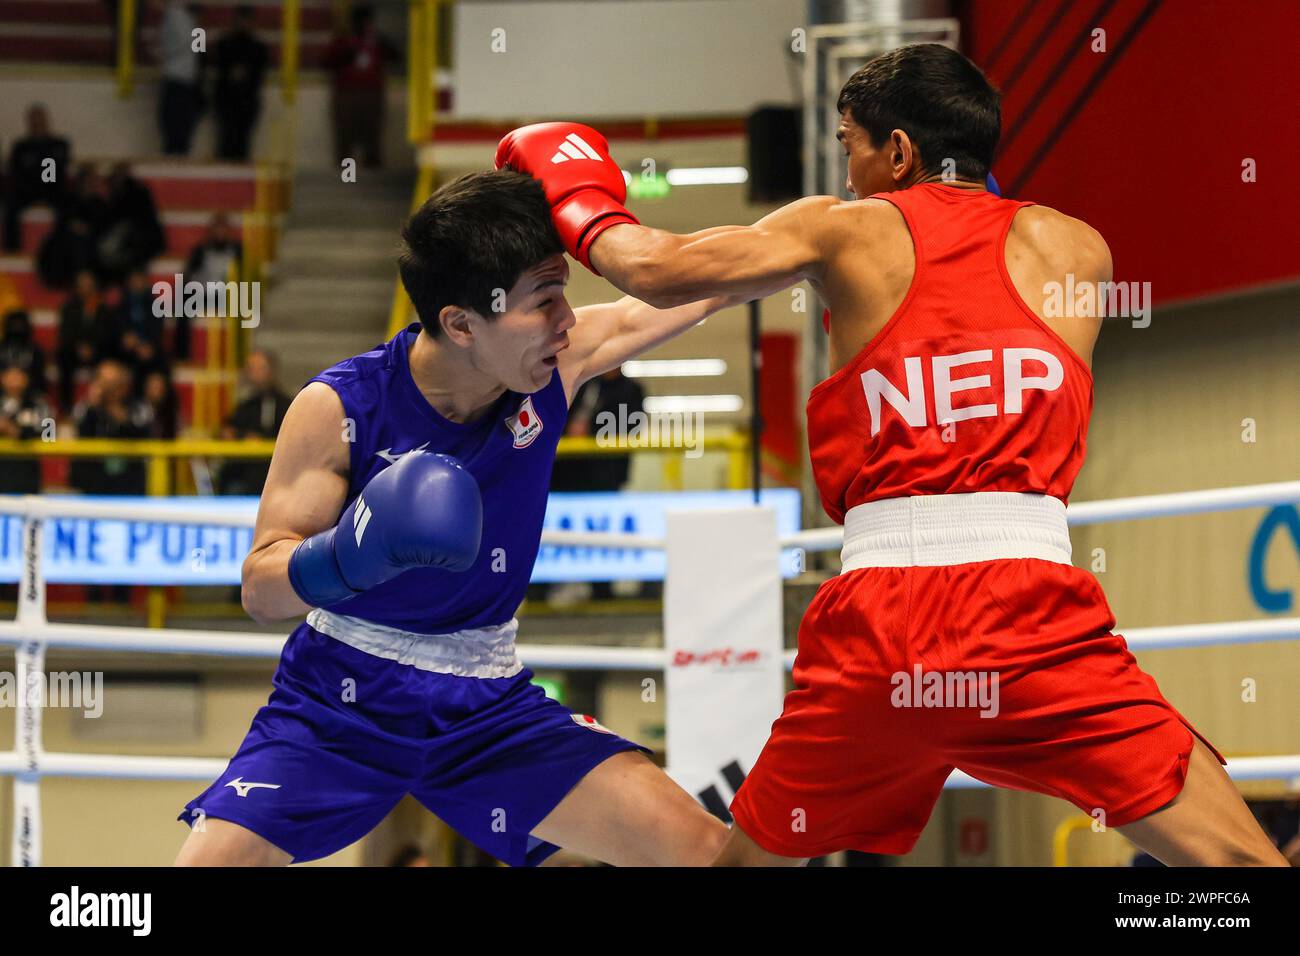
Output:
x=510 y=451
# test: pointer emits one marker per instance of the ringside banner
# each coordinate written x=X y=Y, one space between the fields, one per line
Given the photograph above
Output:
x=97 y=551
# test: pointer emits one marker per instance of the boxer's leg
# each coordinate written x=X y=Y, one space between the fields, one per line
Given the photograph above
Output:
x=740 y=850
x=1207 y=824
x=628 y=812
x=523 y=776
x=222 y=843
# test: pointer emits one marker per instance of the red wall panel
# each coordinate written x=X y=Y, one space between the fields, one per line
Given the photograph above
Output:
x=1146 y=140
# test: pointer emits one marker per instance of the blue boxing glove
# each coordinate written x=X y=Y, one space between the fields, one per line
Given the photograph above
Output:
x=424 y=511
x=991 y=185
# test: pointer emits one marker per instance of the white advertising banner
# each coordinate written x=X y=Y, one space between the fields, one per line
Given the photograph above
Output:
x=724 y=681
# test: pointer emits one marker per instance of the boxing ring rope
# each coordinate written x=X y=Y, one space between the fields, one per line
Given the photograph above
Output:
x=31 y=634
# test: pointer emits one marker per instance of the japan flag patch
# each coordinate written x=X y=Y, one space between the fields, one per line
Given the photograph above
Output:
x=525 y=424
x=591 y=723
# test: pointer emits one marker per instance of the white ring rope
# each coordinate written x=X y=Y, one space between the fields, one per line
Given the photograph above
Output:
x=31 y=634
x=566 y=657
x=116 y=767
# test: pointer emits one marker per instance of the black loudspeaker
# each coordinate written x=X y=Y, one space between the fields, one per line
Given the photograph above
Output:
x=775 y=135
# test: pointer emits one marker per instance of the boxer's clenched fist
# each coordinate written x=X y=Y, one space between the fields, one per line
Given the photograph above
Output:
x=424 y=511
x=584 y=186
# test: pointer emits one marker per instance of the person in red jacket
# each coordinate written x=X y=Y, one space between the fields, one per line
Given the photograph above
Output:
x=959 y=635
x=359 y=62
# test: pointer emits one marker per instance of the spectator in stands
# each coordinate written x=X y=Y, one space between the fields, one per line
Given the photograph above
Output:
x=88 y=334
x=209 y=261
x=18 y=347
x=180 y=98
x=239 y=60
x=141 y=345
x=133 y=233
x=257 y=416
x=612 y=394
x=358 y=62
x=158 y=414
x=23 y=414
x=39 y=169
x=72 y=244
x=109 y=412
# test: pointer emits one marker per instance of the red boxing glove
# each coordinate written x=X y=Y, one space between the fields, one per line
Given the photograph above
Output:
x=584 y=186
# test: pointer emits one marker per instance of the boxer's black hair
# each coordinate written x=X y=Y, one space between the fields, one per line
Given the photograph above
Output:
x=938 y=97
x=473 y=236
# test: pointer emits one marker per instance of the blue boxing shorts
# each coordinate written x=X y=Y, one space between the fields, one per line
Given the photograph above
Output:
x=362 y=715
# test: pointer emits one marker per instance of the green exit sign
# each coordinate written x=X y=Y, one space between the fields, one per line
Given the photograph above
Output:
x=554 y=689
x=648 y=187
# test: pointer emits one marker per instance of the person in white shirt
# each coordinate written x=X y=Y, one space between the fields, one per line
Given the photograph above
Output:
x=180 y=97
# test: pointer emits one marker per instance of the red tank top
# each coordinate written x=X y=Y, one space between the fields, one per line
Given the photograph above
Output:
x=965 y=389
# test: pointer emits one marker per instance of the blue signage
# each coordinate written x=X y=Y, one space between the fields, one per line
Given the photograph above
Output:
x=104 y=551
x=1279 y=519
x=642 y=513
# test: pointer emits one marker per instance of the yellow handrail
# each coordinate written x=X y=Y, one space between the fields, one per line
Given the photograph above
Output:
x=399 y=314
x=735 y=444
x=126 y=14
x=136 y=448
x=569 y=446
x=290 y=19
x=1061 y=838
x=421 y=69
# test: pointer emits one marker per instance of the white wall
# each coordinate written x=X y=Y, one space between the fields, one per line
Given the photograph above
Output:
x=627 y=58
x=85 y=108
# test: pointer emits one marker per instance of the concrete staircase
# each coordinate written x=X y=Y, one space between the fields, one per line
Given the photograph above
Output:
x=332 y=287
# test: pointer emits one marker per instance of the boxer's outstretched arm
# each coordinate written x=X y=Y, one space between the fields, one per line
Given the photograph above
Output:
x=607 y=335
x=666 y=269
x=305 y=491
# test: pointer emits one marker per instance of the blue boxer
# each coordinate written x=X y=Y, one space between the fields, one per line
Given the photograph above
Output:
x=406 y=681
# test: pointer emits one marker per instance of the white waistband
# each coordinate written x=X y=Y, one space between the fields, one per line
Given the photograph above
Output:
x=930 y=530
x=475 y=652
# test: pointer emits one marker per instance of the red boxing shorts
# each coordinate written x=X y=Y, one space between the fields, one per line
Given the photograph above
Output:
x=1005 y=669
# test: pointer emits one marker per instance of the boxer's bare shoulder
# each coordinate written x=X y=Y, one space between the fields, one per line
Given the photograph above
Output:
x=314 y=433
x=1054 y=243
x=1047 y=250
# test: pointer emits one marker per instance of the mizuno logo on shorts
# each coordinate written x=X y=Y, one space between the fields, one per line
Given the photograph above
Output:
x=574 y=147
x=360 y=518
x=242 y=788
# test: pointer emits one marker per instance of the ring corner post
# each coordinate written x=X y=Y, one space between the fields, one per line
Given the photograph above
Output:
x=29 y=664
